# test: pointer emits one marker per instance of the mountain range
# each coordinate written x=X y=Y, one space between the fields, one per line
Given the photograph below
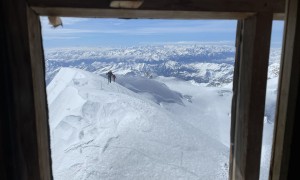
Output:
x=208 y=65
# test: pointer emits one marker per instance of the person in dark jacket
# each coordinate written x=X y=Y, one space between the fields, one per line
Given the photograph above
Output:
x=114 y=77
x=109 y=75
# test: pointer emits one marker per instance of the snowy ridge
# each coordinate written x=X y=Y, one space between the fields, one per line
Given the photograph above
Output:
x=106 y=131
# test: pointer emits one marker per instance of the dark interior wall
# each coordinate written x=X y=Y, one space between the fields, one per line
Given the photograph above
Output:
x=293 y=170
x=6 y=157
x=18 y=141
x=2 y=104
x=294 y=154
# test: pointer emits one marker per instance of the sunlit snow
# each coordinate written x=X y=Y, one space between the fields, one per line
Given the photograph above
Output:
x=139 y=128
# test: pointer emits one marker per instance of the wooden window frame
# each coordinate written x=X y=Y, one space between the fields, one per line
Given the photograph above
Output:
x=28 y=110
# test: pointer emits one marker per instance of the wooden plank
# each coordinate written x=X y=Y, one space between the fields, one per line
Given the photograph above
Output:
x=40 y=97
x=22 y=146
x=289 y=89
x=293 y=166
x=276 y=6
x=23 y=158
x=234 y=93
x=251 y=96
x=278 y=16
x=141 y=14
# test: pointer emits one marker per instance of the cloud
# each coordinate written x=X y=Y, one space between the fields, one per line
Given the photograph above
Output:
x=64 y=33
x=143 y=31
x=121 y=31
x=60 y=30
x=138 y=27
x=60 y=37
x=70 y=21
x=66 y=21
x=166 y=30
x=61 y=33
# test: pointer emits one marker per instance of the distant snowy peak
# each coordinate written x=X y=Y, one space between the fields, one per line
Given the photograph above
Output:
x=210 y=65
x=142 y=53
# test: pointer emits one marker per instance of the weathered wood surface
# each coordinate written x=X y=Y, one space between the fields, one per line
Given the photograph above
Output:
x=141 y=14
x=276 y=6
x=287 y=107
x=234 y=93
x=21 y=146
x=293 y=165
x=158 y=9
x=255 y=46
x=40 y=96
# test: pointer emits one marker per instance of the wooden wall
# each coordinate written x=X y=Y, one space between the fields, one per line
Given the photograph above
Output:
x=288 y=109
x=251 y=92
x=24 y=132
x=20 y=135
x=170 y=9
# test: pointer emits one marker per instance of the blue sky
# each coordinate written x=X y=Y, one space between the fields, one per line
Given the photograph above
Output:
x=88 y=32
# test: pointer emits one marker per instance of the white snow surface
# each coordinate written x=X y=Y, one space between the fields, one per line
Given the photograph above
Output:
x=106 y=131
x=138 y=128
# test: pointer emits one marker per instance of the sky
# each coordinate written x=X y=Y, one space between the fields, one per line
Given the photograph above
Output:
x=99 y=32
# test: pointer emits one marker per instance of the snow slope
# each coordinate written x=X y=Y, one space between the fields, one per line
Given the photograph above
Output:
x=106 y=131
x=210 y=110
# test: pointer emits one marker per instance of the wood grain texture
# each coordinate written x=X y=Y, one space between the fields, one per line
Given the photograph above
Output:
x=40 y=96
x=235 y=82
x=22 y=147
x=287 y=107
x=255 y=47
x=161 y=9
x=276 y=6
x=140 y=14
x=21 y=123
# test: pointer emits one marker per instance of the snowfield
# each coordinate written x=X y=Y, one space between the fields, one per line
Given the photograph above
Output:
x=105 y=131
x=139 y=128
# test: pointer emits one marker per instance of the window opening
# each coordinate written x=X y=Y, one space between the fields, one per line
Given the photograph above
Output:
x=166 y=116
